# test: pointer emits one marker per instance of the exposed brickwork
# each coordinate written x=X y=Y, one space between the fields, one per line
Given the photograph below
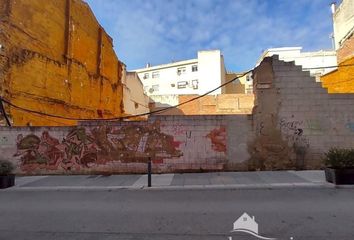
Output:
x=57 y=60
x=341 y=80
x=296 y=120
x=174 y=143
x=346 y=51
x=210 y=104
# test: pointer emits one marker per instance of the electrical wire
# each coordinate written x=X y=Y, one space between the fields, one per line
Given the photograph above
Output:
x=125 y=117
x=151 y=112
x=4 y=113
x=338 y=66
x=334 y=83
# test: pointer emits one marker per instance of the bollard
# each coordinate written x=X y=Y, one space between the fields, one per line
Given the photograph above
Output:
x=149 y=172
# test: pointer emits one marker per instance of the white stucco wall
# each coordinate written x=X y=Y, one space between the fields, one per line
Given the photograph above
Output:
x=210 y=65
x=343 y=22
x=210 y=74
x=305 y=59
x=164 y=100
x=168 y=79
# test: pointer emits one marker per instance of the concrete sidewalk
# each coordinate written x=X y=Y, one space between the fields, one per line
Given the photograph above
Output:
x=232 y=180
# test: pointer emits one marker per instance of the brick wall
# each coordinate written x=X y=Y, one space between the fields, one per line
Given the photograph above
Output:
x=210 y=104
x=57 y=59
x=295 y=119
x=342 y=79
x=346 y=51
x=175 y=143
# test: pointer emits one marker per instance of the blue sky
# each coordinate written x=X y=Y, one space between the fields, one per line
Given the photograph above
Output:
x=159 y=31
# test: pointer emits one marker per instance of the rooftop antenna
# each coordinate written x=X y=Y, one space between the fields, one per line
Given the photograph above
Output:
x=333 y=10
x=333 y=7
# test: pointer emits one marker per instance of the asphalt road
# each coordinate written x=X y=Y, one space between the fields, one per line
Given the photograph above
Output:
x=182 y=214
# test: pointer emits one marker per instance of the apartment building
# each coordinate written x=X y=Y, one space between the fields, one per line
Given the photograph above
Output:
x=315 y=62
x=163 y=83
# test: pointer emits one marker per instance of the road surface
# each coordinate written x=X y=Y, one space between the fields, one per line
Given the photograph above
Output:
x=308 y=213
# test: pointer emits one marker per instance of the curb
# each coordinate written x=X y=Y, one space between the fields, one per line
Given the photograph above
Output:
x=245 y=186
x=185 y=187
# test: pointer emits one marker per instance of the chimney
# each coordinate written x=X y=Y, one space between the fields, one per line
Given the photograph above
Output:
x=148 y=65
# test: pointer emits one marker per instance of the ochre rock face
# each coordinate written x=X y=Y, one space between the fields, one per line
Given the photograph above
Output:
x=57 y=59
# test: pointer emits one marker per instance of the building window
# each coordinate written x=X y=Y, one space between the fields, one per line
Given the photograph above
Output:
x=146 y=75
x=155 y=87
x=182 y=84
x=195 y=68
x=181 y=70
x=249 y=77
x=155 y=74
x=195 y=84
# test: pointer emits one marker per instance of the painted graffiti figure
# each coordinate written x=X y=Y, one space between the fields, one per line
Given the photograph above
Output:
x=82 y=148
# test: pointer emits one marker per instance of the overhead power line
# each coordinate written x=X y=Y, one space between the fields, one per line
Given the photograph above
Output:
x=125 y=117
x=337 y=66
x=147 y=113
x=334 y=83
x=4 y=113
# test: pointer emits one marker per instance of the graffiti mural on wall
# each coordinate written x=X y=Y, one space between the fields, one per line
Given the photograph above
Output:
x=218 y=139
x=293 y=131
x=3 y=140
x=314 y=125
x=84 y=148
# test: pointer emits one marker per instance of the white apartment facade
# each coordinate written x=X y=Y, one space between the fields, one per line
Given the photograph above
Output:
x=163 y=83
x=343 y=22
x=314 y=62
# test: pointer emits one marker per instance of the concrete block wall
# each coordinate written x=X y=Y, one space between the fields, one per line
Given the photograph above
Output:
x=294 y=121
x=174 y=143
x=239 y=134
x=298 y=118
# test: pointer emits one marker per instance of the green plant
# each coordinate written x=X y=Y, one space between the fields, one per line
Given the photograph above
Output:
x=6 y=167
x=339 y=158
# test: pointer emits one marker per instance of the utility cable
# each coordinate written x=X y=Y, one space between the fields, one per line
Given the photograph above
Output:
x=2 y=108
x=151 y=112
x=338 y=66
x=334 y=83
x=125 y=117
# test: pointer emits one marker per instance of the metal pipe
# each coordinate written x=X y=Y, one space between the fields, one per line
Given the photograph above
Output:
x=149 y=172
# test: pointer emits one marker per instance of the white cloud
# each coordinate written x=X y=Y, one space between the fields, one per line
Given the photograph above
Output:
x=158 y=31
